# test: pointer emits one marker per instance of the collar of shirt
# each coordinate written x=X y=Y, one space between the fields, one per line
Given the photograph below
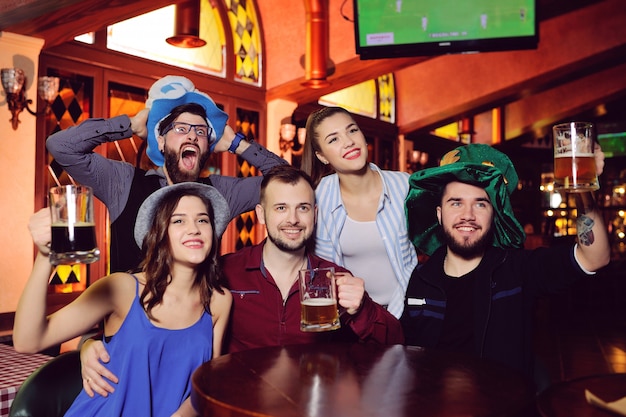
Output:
x=336 y=202
x=262 y=265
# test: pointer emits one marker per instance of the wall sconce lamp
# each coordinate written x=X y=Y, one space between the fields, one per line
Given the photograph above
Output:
x=287 y=135
x=13 y=83
x=286 y=142
x=417 y=160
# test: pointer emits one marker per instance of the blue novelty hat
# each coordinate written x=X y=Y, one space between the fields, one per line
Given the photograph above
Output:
x=172 y=91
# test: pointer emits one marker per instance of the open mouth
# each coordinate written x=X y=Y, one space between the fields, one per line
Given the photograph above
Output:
x=189 y=156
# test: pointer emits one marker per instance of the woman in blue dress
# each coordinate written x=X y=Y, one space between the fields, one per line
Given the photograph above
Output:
x=159 y=324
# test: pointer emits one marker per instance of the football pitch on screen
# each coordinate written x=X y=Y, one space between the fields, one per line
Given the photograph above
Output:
x=411 y=21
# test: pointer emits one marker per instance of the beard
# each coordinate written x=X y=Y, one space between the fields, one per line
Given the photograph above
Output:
x=178 y=175
x=289 y=246
x=465 y=248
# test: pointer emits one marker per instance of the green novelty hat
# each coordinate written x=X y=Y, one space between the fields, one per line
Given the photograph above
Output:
x=476 y=164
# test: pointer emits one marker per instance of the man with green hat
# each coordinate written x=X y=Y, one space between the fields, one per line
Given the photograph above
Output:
x=476 y=291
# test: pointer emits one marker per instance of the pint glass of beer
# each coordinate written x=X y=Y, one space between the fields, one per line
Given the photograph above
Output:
x=73 y=227
x=318 y=299
x=574 y=163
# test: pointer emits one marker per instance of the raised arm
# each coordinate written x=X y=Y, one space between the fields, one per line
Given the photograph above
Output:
x=255 y=154
x=73 y=149
x=593 y=250
x=33 y=330
x=30 y=317
x=242 y=194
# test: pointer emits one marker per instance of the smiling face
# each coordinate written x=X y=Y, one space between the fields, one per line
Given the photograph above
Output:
x=185 y=153
x=190 y=232
x=341 y=143
x=288 y=213
x=466 y=216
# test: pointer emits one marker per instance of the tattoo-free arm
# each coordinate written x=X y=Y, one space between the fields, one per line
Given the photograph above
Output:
x=73 y=149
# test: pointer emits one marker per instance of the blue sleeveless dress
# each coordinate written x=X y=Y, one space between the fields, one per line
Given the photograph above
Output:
x=154 y=366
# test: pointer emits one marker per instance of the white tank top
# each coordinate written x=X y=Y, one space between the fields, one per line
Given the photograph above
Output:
x=364 y=254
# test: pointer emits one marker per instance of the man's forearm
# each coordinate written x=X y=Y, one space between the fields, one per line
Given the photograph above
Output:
x=587 y=215
x=73 y=148
x=260 y=157
x=593 y=244
x=68 y=145
x=372 y=323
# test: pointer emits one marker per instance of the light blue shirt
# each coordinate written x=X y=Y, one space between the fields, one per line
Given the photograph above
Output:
x=390 y=220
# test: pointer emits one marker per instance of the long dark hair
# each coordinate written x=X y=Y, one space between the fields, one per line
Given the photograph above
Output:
x=157 y=257
x=310 y=163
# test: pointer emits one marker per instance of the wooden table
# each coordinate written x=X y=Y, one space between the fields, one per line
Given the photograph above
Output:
x=14 y=369
x=567 y=399
x=356 y=380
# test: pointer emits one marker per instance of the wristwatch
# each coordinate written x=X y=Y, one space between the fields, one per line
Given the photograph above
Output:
x=238 y=138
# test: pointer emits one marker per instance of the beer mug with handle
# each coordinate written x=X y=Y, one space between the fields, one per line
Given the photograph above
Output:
x=574 y=162
x=318 y=299
x=73 y=226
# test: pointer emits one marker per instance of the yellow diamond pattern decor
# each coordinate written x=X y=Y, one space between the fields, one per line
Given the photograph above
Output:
x=246 y=40
x=247 y=123
x=70 y=107
x=386 y=98
x=67 y=278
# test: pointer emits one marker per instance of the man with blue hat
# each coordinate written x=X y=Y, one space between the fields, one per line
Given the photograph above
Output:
x=182 y=127
x=476 y=291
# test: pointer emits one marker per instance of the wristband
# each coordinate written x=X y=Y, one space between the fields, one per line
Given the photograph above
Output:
x=238 y=137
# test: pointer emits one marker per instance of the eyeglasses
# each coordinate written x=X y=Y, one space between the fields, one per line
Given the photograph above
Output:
x=181 y=128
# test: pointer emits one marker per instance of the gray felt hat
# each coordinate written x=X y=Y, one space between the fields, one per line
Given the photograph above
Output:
x=147 y=211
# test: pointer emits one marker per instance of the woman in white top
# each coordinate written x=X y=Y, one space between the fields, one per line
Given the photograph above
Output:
x=361 y=223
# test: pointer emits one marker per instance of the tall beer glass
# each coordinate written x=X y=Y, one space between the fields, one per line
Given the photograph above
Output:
x=73 y=226
x=318 y=299
x=574 y=162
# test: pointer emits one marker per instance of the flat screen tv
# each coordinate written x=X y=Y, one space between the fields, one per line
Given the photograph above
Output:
x=612 y=138
x=405 y=28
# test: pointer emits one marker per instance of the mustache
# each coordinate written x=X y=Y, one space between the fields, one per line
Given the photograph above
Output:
x=467 y=224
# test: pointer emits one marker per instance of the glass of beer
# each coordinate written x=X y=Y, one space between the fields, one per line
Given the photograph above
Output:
x=318 y=300
x=73 y=226
x=574 y=162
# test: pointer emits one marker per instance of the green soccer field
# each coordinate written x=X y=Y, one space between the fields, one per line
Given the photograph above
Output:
x=410 y=21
